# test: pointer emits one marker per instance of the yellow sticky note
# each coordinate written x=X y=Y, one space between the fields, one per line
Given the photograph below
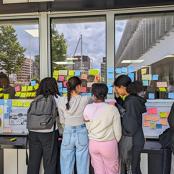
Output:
x=20 y=103
x=152 y=125
x=36 y=86
x=1 y=89
x=162 y=89
x=1 y=95
x=164 y=114
x=1 y=111
x=33 y=94
x=28 y=94
x=143 y=71
x=24 y=88
x=14 y=103
x=56 y=73
x=30 y=88
x=71 y=72
x=23 y=95
x=17 y=94
x=94 y=72
x=26 y=104
x=6 y=96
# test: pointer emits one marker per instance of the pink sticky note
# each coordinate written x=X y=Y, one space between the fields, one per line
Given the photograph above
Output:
x=65 y=84
x=61 y=78
x=83 y=89
x=17 y=88
x=152 y=110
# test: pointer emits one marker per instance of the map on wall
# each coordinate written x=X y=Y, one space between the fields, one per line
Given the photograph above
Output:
x=13 y=116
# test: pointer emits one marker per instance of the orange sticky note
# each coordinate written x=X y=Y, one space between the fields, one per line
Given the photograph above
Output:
x=146 y=124
x=147 y=118
x=155 y=118
x=163 y=122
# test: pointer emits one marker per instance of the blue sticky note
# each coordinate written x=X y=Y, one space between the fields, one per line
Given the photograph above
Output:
x=171 y=95
x=77 y=72
x=60 y=85
x=124 y=70
x=110 y=69
x=155 y=77
x=64 y=90
x=132 y=76
x=131 y=69
x=151 y=96
x=60 y=90
x=145 y=83
x=1 y=102
x=118 y=70
x=159 y=126
x=110 y=75
x=110 y=89
x=33 y=83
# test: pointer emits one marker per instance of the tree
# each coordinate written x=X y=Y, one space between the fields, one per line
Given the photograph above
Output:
x=11 y=52
x=58 y=48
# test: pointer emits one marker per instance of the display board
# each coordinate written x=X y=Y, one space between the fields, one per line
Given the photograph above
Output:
x=13 y=116
x=155 y=120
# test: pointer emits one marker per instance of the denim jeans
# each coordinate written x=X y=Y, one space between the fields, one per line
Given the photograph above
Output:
x=74 y=147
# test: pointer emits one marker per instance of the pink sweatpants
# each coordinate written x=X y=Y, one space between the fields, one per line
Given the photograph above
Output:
x=104 y=156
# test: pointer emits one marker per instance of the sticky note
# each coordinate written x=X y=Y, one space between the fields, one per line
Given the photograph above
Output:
x=94 y=72
x=147 y=77
x=146 y=124
x=64 y=90
x=30 y=88
x=1 y=95
x=155 y=77
x=1 y=111
x=155 y=118
x=6 y=96
x=152 y=110
x=55 y=76
x=26 y=104
x=63 y=72
x=159 y=126
x=110 y=75
x=131 y=69
x=147 y=118
x=77 y=72
x=28 y=94
x=83 y=89
x=17 y=94
x=163 y=122
x=152 y=125
x=55 y=73
x=33 y=94
x=1 y=89
x=110 y=88
x=171 y=95
x=132 y=76
x=164 y=114
x=33 y=82
x=145 y=83
x=151 y=96
x=162 y=89
x=124 y=70
x=60 y=84
x=14 y=103
x=110 y=69
x=71 y=72
x=65 y=84
x=161 y=84
x=36 y=86
x=23 y=95
x=61 y=78
x=24 y=88
x=143 y=71
x=60 y=89
x=84 y=76
x=118 y=70
x=17 y=88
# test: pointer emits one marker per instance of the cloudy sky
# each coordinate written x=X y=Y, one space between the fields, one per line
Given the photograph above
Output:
x=93 y=34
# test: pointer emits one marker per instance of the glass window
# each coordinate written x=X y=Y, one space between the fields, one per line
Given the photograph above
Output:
x=19 y=58
x=19 y=73
x=78 y=47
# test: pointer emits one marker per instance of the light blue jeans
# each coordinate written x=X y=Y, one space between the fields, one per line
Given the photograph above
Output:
x=74 y=147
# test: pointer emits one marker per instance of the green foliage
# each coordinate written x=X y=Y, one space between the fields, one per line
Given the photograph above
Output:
x=58 y=47
x=11 y=52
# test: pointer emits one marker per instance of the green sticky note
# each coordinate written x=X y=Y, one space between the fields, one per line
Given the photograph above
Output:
x=30 y=88
x=33 y=94
x=162 y=89
x=24 y=88
x=26 y=104
x=6 y=96
x=94 y=72
x=36 y=86
x=23 y=95
x=20 y=103
x=71 y=72
x=14 y=103
x=164 y=114
x=17 y=94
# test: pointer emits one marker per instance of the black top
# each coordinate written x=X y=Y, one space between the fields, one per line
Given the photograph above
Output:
x=171 y=124
x=132 y=120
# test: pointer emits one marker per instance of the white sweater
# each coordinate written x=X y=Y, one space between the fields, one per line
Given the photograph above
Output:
x=103 y=122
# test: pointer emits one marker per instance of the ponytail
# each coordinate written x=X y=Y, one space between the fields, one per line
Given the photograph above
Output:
x=72 y=83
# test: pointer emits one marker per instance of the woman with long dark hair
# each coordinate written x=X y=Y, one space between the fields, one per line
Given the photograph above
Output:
x=43 y=143
x=75 y=138
x=133 y=136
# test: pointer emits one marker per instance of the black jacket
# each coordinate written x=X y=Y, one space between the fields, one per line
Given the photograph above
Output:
x=171 y=124
x=132 y=120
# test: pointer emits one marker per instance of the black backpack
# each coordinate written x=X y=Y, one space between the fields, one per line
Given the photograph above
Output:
x=42 y=113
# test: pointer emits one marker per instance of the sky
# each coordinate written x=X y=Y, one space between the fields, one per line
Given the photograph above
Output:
x=93 y=38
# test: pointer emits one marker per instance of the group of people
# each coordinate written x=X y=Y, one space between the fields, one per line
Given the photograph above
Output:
x=109 y=136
